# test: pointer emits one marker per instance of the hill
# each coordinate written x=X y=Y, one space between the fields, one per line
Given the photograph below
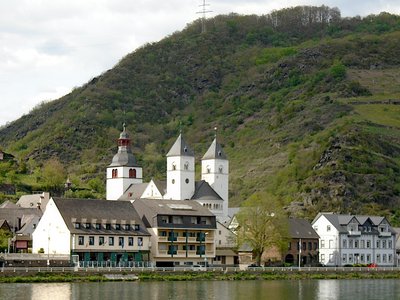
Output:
x=306 y=103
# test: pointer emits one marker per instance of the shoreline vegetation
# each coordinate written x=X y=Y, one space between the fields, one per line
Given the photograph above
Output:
x=43 y=277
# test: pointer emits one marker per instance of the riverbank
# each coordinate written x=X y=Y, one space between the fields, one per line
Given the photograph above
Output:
x=192 y=276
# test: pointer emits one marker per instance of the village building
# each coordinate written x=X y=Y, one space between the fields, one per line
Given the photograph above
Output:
x=96 y=232
x=182 y=233
x=352 y=239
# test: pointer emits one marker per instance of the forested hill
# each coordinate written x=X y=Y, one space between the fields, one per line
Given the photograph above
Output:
x=306 y=105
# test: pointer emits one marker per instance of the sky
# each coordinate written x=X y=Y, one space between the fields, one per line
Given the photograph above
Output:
x=49 y=47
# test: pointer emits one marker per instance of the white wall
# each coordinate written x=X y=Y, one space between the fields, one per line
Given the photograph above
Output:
x=51 y=233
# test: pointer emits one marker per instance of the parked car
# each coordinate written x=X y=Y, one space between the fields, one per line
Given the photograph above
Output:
x=198 y=268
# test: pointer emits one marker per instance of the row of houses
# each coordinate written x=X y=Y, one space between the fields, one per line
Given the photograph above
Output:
x=181 y=221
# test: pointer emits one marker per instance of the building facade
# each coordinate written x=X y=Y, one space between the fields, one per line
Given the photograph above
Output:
x=182 y=232
x=352 y=239
x=97 y=231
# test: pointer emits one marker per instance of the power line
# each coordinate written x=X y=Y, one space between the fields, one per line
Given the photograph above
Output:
x=204 y=12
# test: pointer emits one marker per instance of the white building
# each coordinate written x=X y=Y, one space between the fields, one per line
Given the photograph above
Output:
x=124 y=176
x=349 y=239
x=96 y=231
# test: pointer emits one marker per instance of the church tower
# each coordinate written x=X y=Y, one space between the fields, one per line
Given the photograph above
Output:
x=123 y=170
x=180 y=171
x=215 y=171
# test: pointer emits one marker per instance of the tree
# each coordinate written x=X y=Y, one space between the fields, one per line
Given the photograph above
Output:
x=262 y=224
x=5 y=235
x=53 y=176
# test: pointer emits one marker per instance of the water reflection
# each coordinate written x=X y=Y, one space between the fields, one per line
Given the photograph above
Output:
x=219 y=290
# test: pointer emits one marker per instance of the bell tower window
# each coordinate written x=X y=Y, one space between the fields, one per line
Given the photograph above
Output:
x=114 y=173
x=186 y=166
x=132 y=173
x=220 y=169
x=173 y=167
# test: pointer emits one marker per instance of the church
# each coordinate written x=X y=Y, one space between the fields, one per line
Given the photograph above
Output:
x=125 y=176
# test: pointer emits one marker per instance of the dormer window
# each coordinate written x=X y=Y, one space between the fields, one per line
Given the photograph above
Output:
x=77 y=225
x=117 y=226
x=98 y=226
x=127 y=227
x=87 y=225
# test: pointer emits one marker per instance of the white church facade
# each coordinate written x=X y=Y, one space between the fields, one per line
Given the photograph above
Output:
x=125 y=176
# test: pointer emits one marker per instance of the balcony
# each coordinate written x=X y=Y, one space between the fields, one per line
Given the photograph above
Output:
x=385 y=234
x=354 y=233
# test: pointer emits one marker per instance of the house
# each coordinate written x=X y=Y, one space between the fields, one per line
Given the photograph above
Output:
x=353 y=239
x=125 y=176
x=37 y=200
x=22 y=222
x=182 y=232
x=97 y=231
x=303 y=244
x=225 y=246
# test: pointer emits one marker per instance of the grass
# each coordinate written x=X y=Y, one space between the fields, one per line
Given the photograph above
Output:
x=380 y=82
x=387 y=115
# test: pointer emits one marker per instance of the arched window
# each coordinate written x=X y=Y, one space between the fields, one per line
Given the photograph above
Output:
x=208 y=169
x=114 y=173
x=173 y=166
x=132 y=173
x=220 y=169
x=186 y=166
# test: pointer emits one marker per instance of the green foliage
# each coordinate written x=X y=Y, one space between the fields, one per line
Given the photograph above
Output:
x=279 y=87
x=5 y=235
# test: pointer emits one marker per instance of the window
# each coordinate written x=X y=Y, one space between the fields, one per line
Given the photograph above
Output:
x=362 y=244
x=173 y=181
x=173 y=167
x=368 y=244
x=127 y=227
x=328 y=228
x=91 y=240
x=177 y=220
x=368 y=258
x=344 y=258
x=140 y=241
x=378 y=244
x=344 y=243
x=200 y=250
x=121 y=241
x=132 y=173
x=384 y=244
x=117 y=226
x=304 y=246
x=187 y=180
x=356 y=244
x=331 y=244
x=362 y=256
x=130 y=241
x=108 y=226
x=350 y=243
x=87 y=225
x=309 y=246
x=220 y=169
x=390 y=244
x=77 y=225
x=384 y=260
x=208 y=169
x=390 y=258
x=111 y=241
x=315 y=245
x=101 y=240
x=186 y=166
x=378 y=258
x=351 y=258
x=172 y=249
x=81 y=240
x=137 y=227
x=322 y=258
x=322 y=244
x=98 y=226
x=114 y=173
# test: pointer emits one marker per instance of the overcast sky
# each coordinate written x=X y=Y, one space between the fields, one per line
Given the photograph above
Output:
x=48 y=47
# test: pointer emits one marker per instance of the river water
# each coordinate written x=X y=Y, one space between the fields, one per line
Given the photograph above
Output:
x=219 y=290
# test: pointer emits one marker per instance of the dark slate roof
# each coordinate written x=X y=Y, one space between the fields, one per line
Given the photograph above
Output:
x=124 y=157
x=134 y=191
x=340 y=221
x=153 y=207
x=215 y=151
x=89 y=209
x=13 y=214
x=203 y=191
x=180 y=148
x=301 y=229
x=8 y=204
x=161 y=186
